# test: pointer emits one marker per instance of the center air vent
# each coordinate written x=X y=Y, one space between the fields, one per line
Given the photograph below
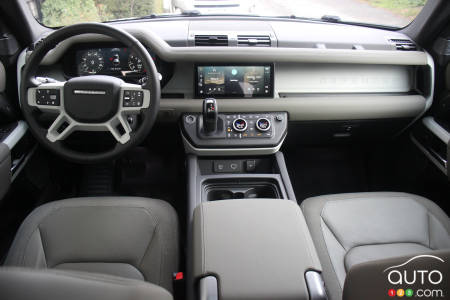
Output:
x=211 y=40
x=254 y=40
x=404 y=44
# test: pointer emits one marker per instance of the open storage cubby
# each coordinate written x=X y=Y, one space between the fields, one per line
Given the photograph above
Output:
x=245 y=188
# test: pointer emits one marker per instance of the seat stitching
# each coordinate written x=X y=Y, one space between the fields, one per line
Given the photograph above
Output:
x=329 y=227
x=146 y=250
x=377 y=244
x=32 y=232
x=328 y=252
x=43 y=248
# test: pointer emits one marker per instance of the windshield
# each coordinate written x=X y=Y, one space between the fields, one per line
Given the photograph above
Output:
x=393 y=13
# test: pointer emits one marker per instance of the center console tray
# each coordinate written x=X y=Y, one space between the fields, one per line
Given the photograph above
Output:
x=246 y=188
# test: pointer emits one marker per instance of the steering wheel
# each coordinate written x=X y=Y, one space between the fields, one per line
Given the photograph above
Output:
x=89 y=103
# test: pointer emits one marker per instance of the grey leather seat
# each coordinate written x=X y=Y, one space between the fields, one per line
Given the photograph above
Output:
x=124 y=236
x=74 y=285
x=348 y=229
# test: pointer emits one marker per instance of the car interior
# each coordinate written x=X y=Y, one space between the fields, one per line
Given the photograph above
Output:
x=221 y=156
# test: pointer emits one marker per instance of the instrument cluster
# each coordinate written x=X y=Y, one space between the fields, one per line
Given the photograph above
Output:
x=112 y=60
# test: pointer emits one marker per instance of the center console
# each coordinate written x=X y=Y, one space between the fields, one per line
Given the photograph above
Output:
x=247 y=237
x=214 y=133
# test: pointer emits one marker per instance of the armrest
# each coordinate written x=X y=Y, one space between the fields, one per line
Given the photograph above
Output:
x=256 y=248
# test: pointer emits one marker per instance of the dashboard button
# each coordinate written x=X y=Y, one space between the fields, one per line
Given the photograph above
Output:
x=227 y=166
x=250 y=165
x=240 y=125
x=190 y=119
x=263 y=124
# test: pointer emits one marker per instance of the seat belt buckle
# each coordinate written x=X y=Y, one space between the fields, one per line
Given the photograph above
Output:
x=178 y=285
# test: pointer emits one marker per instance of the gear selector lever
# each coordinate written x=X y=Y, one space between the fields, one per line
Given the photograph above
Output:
x=210 y=115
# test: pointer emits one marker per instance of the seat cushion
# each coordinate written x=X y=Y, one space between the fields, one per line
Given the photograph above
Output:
x=125 y=236
x=69 y=285
x=349 y=229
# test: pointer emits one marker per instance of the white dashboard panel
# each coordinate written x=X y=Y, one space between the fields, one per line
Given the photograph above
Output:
x=342 y=78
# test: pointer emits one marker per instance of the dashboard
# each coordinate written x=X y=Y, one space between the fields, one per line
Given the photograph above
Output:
x=318 y=72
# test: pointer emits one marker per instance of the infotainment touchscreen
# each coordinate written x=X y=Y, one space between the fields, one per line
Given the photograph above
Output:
x=234 y=81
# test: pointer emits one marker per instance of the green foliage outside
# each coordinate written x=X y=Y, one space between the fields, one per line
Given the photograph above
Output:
x=405 y=8
x=65 y=12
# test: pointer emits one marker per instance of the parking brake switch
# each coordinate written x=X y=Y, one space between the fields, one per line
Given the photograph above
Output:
x=210 y=115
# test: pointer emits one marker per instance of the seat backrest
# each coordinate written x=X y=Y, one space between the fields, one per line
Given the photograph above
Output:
x=123 y=236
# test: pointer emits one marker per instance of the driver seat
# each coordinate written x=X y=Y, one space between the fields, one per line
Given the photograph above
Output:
x=124 y=236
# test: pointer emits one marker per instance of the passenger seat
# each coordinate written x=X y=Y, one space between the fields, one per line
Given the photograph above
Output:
x=348 y=229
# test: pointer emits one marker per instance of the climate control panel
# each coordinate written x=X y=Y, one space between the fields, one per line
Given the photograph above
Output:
x=241 y=126
x=235 y=130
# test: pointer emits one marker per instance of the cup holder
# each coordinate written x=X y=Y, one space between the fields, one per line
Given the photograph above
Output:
x=240 y=190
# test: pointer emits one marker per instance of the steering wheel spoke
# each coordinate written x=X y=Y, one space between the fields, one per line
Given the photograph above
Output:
x=120 y=129
x=133 y=98
x=47 y=97
x=61 y=128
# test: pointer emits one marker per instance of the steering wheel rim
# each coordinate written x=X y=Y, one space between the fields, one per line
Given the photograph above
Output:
x=148 y=114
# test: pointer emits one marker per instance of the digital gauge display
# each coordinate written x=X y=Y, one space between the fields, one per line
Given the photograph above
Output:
x=108 y=61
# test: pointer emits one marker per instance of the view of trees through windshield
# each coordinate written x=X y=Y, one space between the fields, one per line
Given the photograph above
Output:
x=396 y=13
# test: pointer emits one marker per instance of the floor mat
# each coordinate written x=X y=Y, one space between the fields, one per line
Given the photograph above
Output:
x=316 y=171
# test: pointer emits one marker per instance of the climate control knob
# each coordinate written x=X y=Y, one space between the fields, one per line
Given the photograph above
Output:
x=263 y=124
x=240 y=125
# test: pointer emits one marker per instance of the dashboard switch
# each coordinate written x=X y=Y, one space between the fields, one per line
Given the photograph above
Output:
x=227 y=166
x=250 y=165
x=263 y=124
x=240 y=125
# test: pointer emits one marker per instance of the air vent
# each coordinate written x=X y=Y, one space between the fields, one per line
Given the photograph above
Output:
x=211 y=40
x=403 y=44
x=254 y=40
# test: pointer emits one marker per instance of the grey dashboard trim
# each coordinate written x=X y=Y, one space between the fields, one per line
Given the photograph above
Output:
x=428 y=154
x=242 y=54
x=442 y=134
x=189 y=148
x=437 y=129
x=313 y=108
x=430 y=96
x=15 y=136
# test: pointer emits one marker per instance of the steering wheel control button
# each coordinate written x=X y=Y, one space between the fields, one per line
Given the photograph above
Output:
x=132 y=98
x=240 y=125
x=48 y=97
x=263 y=124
